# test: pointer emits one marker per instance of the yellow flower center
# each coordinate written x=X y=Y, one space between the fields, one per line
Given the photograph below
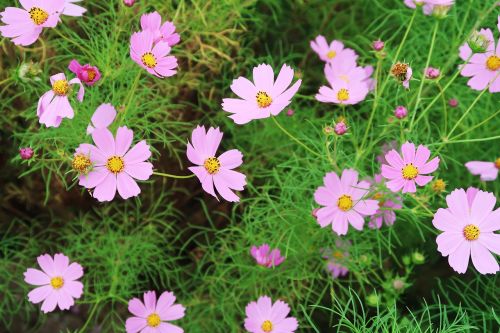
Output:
x=345 y=202
x=497 y=163
x=38 y=15
x=57 y=282
x=493 y=63
x=337 y=254
x=149 y=60
x=153 y=320
x=61 y=87
x=409 y=172
x=438 y=186
x=399 y=70
x=267 y=326
x=471 y=232
x=91 y=74
x=81 y=163
x=343 y=95
x=380 y=197
x=115 y=164
x=263 y=99
x=331 y=54
x=212 y=165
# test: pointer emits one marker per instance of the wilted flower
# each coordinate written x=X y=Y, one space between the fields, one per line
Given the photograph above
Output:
x=26 y=153
x=402 y=72
x=86 y=73
x=336 y=258
x=387 y=205
x=29 y=71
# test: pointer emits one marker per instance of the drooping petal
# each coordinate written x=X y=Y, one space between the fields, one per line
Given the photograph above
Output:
x=482 y=259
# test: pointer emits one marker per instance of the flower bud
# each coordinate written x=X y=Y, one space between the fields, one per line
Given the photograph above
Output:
x=26 y=153
x=290 y=112
x=453 y=102
x=418 y=258
x=378 y=45
x=340 y=128
x=432 y=73
x=478 y=42
x=400 y=112
x=128 y=3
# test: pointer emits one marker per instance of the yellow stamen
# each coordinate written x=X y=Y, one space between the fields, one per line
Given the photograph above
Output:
x=38 y=15
x=57 y=282
x=153 y=320
x=471 y=232
x=212 y=165
x=438 y=186
x=149 y=60
x=345 y=202
x=61 y=87
x=409 y=172
x=81 y=163
x=263 y=99
x=493 y=63
x=91 y=74
x=399 y=70
x=497 y=163
x=267 y=326
x=331 y=54
x=115 y=164
x=343 y=95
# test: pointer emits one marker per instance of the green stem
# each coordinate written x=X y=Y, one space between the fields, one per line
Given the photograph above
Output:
x=467 y=111
x=429 y=56
x=131 y=92
x=294 y=138
x=476 y=126
x=91 y=314
x=374 y=107
x=168 y=175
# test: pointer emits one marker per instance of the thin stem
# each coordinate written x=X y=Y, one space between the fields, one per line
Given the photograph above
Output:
x=476 y=126
x=375 y=103
x=429 y=56
x=467 y=111
x=131 y=92
x=94 y=308
x=294 y=138
x=168 y=175
x=445 y=107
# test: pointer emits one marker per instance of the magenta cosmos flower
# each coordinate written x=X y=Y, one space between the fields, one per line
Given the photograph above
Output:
x=161 y=32
x=262 y=98
x=336 y=258
x=263 y=317
x=86 y=73
x=387 y=202
x=70 y=9
x=330 y=52
x=114 y=165
x=151 y=56
x=344 y=201
x=57 y=282
x=487 y=170
x=54 y=105
x=25 y=25
x=212 y=170
x=103 y=116
x=266 y=257
x=153 y=316
x=403 y=172
x=483 y=68
x=469 y=225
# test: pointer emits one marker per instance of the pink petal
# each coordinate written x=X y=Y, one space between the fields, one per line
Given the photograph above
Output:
x=323 y=196
x=459 y=259
x=205 y=179
x=61 y=263
x=448 y=242
x=396 y=184
x=326 y=215
x=172 y=313
x=445 y=221
x=39 y=294
x=491 y=241
x=47 y=264
x=340 y=225
x=409 y=186
x=103 y=116
x=244 y=88
x=423 y=180
x=421 y=156
x=408 y=150
x=139 y=153
x=64 y=300
x=279 y=311
x=490 y=223
x=169 y=328
x=106 y=190
x=73 y=288
x=150 y=301
x=458 y=203
x=223 y=187
x=124 y=137
x=231 y=159
x=366 y=207
x=50 y=302
x=283 y=80
x=355 y=219
x=135 y=324
x=36 y=277
x=73 y=272
x=126 y=185
x=394 y=159
x=288 y=325
x=482 y=259
x=104 y=141
x=137 y=308
x=94 y=178
x=140 y=171
x=482 y=206
x=390 y=172
x=263 y=77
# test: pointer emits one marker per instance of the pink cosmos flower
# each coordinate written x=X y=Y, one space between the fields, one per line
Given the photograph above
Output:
x=487 y=170
x=165 y=32
x=483 y=68
x=212 y=170
x=153 y=316
x=54 y=105
x=152 y=57
x=102 y=117
x=336 y=258
x=70 y=9
x=344 y=201
x=330 y=52
x=346 y=70
x=343 y=93
x=266 y=257
x=403 y=172
x=25 y=25
x=262 y=98
x=86 y=73
x=114 y=164
x=57 y=282
x=264 y=317
x=387 y=205
x=469 y=224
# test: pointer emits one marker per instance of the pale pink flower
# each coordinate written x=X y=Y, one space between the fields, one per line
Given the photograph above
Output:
x=151 y=56
x=153 y=316
x=161 y=32
x=264 y=97
x=115 y=165
x=343 y=93
x=263 y=316
x=86 y=73
x=212 y=170
x=103 y=116
x=336 y=258
x=54 y=105
x=483 y=68
x=266 y=257
x=387 y=202
x=346 y=70
x=344 y=201
x=469 y=225
x=487 y=170
x=330 y=52
x=70 y=9
x=57 y=282
x=403 y=172
x=24 y=25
